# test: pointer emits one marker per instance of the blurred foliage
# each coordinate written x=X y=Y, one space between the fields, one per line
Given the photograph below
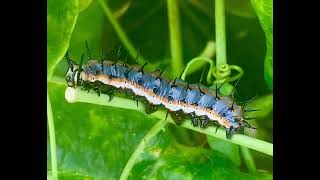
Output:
x=83 y=4
x=61 y=19
x=264 y=9
x=228 y=149
x=95 y=142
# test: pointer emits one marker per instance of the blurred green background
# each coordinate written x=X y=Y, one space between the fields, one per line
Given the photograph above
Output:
x=95 y=142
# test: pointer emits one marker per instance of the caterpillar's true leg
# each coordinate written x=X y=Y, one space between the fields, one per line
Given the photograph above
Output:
x=86 y=86
x=194 y=119
x=204 y=121
x=111 y=95
x=97 y=88
x=109 y=90
x=151 y=108
x=229 y=132
x=177 y=116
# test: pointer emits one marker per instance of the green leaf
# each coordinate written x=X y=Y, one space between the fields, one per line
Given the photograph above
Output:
x=264 y=10
x=73 y=176
x=94 y=140
x=163 y=160
x=85 y=30
x=264 y=104
x=240 y=8
x=225 y=88
x=90 y=31
x=230 y=150
x=62 y=16
x=83 y=4
x=66 y=175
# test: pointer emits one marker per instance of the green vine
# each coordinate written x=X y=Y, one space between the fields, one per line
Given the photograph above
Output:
x=220 y=32
x=196 y=60
x=77 y=95
x=223 y=70
x=175 y=37
x=248 y=159
x=54 y=164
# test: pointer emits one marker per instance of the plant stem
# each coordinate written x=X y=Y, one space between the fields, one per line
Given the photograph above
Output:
x=210 y=50
x=220 y=32
x=146 y=139
x=76 y=95
x=175 y=39
x=248 y=159
x=54 y=166
x=121 y=34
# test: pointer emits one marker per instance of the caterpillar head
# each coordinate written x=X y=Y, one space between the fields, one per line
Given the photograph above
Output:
x=238 y=125
x=73 y=74
x=240 y=128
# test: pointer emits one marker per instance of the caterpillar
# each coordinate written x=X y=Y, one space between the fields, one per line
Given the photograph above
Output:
x=181 y=99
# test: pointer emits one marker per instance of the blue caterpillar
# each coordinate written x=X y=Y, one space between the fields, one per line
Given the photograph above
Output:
x=204 y=106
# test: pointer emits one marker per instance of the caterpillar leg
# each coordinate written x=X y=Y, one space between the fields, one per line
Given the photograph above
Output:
x=111 y=95
x=108 y=90
x=177 y=116
x=97 y=88
x=151 y=108
x=98 y=91
x=194 y=119
x=204 y=121
x=136 y=98
x=86 y=86
x=229 y=132
x=217 y=128
x=240 y=130
x=128 y=92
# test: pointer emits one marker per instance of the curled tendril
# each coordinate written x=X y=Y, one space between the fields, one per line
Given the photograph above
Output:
x=221 y=73
x=209 y=76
